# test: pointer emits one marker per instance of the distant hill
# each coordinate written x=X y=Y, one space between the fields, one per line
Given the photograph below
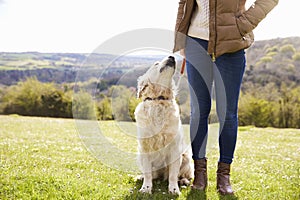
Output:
x=276 y=61
x=62 y=67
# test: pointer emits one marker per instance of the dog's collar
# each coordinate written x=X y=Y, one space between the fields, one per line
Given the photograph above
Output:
x=157 y=98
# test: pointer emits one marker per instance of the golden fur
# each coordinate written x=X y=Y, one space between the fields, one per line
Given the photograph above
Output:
x=162 y=150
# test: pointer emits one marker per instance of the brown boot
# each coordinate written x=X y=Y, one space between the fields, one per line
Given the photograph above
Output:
x=223 y=179
x=200 y=179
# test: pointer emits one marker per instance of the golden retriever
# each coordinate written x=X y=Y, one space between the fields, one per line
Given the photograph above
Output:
x=162 y=152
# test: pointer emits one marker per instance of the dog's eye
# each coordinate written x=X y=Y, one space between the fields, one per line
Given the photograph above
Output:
x=157 y=63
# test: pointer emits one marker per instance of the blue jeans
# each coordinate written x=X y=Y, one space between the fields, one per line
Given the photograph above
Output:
x=226 y=74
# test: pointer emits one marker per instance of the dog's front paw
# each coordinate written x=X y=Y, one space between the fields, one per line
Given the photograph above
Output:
x=174 y=189
x=146 y=189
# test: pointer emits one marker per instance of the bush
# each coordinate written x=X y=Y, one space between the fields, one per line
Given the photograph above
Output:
x=253 y=111
x=56 y=104
x=121 y=96
x=282 y=110
x=266 y=59
x=83 y=106
x=296 y=56
x=287 y=48
x=104 y=109
x=33 y=98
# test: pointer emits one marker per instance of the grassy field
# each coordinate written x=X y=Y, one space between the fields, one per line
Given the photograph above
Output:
x=44 y=158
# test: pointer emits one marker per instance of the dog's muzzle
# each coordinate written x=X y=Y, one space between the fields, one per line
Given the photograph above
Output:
x=170 y=62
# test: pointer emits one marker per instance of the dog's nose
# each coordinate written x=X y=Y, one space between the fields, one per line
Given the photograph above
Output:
x=171 y=61
x=171 y=58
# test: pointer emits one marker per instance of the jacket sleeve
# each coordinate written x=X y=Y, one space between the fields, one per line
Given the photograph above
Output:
x=248 y=20
x=180 y=13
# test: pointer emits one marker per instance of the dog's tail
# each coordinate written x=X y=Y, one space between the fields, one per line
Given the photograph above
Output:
x=186 y=170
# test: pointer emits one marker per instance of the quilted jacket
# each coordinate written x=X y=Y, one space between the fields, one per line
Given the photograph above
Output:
x=230 y=24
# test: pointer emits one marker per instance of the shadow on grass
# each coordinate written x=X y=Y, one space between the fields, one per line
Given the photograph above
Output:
x=159 y=191
x=196 y=194
x=228 y=197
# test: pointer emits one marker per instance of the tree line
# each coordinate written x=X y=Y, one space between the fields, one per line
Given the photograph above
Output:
x=267 y=106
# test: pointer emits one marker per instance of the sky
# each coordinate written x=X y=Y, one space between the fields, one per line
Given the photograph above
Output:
x=79 y=26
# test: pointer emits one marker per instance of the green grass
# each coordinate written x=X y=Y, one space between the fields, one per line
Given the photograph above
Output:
x=44 y=158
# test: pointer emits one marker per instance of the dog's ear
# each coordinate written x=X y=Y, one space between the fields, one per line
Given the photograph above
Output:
x=142 y=85
x=141 y=89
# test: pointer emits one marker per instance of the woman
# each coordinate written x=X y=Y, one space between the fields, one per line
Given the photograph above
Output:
x=212 y=35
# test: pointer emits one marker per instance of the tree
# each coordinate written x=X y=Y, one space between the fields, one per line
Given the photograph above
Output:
x=120 y=97
x=25 y=98
x=34 y=98
x=253 y=111
x=287 y=50
x=133 y=102
x=104 y=109
x=288 y=104
x=296 y=56
x=83 y=106
x=55 y=105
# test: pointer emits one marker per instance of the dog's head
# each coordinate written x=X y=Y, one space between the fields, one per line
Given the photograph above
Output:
x=158 y=80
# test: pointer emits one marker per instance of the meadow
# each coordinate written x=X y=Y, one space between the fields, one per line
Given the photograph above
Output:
x=44 y=158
